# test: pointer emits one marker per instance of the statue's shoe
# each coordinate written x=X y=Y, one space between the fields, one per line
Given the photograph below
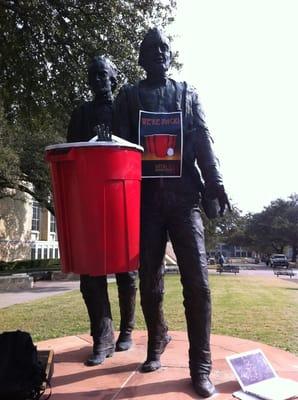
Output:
x=124 y=342
x=203 y=385
x=153 y=360
x=99 y=357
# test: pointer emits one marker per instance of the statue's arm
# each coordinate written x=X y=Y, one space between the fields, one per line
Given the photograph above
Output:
x=73 y=130
x=121 y=117
x=206 y=158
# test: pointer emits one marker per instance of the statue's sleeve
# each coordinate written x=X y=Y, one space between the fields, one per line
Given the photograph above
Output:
x=205 y=156
x=121 y=116
x=73 y=131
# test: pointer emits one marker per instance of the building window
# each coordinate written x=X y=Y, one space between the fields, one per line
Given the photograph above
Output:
x=35 y=216
x=39 y=253
x=45 y=252
x=33 y=250
x=52 y=224
x=53 y=235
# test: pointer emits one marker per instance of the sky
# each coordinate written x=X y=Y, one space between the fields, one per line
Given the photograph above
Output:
x=242 y=57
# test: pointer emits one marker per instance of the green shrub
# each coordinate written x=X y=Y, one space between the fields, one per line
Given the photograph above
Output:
x=29 y=265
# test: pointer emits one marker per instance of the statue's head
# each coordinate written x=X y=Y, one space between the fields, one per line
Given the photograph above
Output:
x=102 y=76
x=155 y=53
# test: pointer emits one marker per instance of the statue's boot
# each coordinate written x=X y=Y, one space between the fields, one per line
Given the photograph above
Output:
x=198 y=317
x=151 y=274
x=103 y=347
x=155 y=349
x=203 y=385
x=158 y=337
x=127 y=302
x=95 y=294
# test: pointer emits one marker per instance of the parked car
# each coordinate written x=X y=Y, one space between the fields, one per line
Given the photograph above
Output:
x=278 y=260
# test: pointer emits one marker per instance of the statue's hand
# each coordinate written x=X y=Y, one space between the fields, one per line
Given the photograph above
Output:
x=103 y=133
x=217 y=191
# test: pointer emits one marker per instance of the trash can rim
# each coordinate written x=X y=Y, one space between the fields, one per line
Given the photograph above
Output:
x=94 y=144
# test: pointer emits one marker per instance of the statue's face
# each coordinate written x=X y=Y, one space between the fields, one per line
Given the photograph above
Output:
x=99 y=79
x=157 y=55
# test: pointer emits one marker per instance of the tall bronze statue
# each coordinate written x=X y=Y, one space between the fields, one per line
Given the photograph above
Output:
x=90 y=119
x=170 y=206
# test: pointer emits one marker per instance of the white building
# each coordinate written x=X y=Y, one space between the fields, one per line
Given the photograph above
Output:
x=27 y=231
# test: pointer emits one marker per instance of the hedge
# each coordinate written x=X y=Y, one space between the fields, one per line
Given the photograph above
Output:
x=30 y=265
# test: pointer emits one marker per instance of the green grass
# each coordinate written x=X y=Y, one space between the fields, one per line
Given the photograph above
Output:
x=256 y=308
x=262 y=309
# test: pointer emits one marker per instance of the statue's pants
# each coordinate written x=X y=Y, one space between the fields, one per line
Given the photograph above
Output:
x=178 y=216
x=94 y=290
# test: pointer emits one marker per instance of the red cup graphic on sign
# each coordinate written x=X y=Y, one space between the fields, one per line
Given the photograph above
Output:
x=172 y=145
x=161 y=145
x=149 y=142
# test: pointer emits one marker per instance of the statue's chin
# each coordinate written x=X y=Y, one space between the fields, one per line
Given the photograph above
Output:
x=103 y=92
x=156 y=69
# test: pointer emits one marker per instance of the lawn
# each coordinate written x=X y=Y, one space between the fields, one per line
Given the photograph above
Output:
x=256 y=308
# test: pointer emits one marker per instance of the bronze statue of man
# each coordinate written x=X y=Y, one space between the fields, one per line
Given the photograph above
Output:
x=170 y=206
x=87 y=121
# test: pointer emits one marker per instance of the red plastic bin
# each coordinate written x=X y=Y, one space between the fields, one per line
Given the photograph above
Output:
x=96 y=189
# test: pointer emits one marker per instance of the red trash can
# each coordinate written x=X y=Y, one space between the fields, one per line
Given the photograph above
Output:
x=96 y=189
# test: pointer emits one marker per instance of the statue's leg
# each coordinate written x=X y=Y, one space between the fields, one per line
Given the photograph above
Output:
x=187 y=235
x=153 y=244
x=126 y=283
x=95 y=294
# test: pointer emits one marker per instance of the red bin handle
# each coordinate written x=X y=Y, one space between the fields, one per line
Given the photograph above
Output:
x=63 y=154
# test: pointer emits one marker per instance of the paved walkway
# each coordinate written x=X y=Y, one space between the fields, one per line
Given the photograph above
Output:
x=119 y=377
x=41 y=289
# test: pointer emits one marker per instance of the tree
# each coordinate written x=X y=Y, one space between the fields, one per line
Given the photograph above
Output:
x=275 y=227
x=45 y=49
x=226 y=229
x=9 y=160
x=290 y=224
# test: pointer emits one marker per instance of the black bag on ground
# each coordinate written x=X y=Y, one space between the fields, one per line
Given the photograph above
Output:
x=21 y=373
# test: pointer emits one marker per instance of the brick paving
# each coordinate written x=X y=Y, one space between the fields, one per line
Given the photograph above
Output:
x=119 y=378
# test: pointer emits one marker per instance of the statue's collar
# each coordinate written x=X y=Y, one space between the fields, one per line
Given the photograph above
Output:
x=167 y=82
x=108 y=100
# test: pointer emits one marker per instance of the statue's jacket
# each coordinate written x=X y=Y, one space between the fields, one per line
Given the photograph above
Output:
x=86 y=117
x=200 y=166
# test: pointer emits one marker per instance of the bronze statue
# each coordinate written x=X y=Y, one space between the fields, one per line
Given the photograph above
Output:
x=90 y=119
x=171 y=206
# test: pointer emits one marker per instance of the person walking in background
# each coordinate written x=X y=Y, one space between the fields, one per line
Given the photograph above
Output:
x=221 y=260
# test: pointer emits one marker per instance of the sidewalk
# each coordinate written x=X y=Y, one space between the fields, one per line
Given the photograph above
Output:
x=41 y=289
